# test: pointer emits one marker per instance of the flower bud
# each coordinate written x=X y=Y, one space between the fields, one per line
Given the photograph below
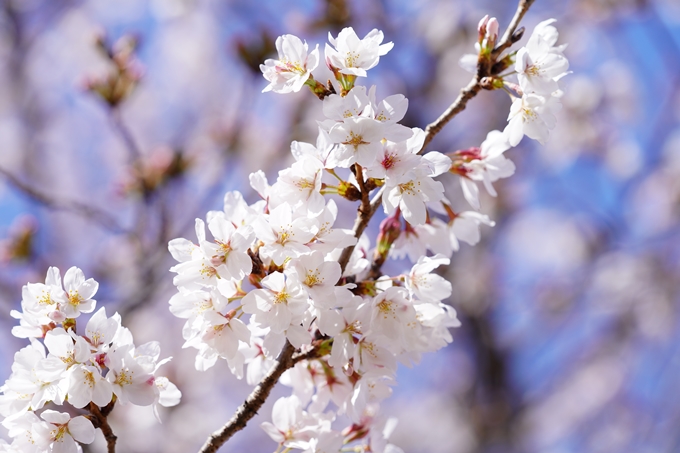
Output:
x=488 y=39
x=481 y=28
x=390 y=229
x=492 y=29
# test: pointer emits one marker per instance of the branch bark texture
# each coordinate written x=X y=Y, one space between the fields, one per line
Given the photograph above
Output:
x=100 y=421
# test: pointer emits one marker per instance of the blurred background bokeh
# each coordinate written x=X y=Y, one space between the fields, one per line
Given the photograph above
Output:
x=122 y=121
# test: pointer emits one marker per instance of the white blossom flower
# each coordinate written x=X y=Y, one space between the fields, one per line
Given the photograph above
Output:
x=283 y=235
x=355 y=56
x=531 y=115
x=78 y=295
x=294 y=66
x=279 y=305
x=359 y=141
x=229 y=253
x=291 y=427
x=130 y=381
x=411 y=192
x=318 y=277
x=540 y=64
x=63 y=431
x=488 y=164
x=87 y=384
x=300 y=184
x=425 y=285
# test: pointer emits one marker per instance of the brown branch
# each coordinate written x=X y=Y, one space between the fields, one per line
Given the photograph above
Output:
x=467 y=93
x=510 y=37
x=253 y=403
x=99 y=421
x=360 y=225
x=365 y=207
x=91 y=213
x=287 y=359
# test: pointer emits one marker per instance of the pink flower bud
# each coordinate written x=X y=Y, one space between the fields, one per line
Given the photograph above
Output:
x=481 y=28
x=492 y=29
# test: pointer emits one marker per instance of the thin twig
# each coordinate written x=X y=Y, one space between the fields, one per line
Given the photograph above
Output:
x=253 y=403
x=100 y=421
x=508 y=37
x=287 y=359
x=134 y=151
x=89 y=212
x=467 y=93
x=360 y=225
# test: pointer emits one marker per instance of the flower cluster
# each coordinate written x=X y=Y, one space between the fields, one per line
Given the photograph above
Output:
x=268 y=273
x=536 y=98
x=97 y=367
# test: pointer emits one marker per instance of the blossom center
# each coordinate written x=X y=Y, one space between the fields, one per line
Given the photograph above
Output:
x=281 y=298
x=351 y=58
x=304 y=183
x=45 y=299
x=291 y=66
x=389 y=161
x=355 y=140
x=312 y=278
x=124 y=377
x=386 y=307
x=409 y=187
x=74 y=298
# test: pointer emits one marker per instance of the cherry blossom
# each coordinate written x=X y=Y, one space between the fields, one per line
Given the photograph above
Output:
x=355 y=56
x=294 y=66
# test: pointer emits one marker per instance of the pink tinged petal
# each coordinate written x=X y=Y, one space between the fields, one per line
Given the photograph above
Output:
x=57 y=418
x=273 y=432
x=64 y=444
x=413 y=209
x=280 y=320
x=239 y=265
x=82 y=350
x=181 y=249
x=470 y=191
x=514 y=131
x=81 y=429
x=286 y=412
x=199 y=226
x=88 y=288
x=221 y=229
x=298 y=335
x=102 y=393
x=169 y=393
x=241 y=331
x=274 y=281
x=142 y=393
x=264 y=300
x=437 y=162
x=496 y=143
x=73 y=279
x=53 y=277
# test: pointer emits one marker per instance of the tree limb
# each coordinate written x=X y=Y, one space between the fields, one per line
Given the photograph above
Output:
x=253 y=403
x=99 y=421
